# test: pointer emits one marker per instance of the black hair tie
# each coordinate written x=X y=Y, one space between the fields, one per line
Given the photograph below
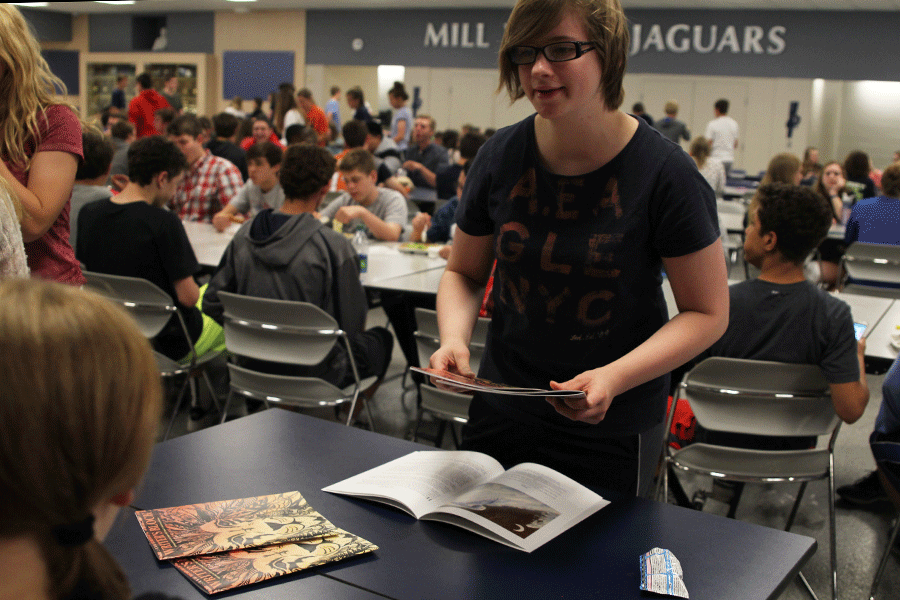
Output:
x=75 y=534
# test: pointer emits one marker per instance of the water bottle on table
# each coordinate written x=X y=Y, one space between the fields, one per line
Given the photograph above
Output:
x=361 y=245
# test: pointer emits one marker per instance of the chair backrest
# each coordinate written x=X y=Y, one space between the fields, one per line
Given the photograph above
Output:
x=873 y=263
x=428 y=337
x=145 y=301
x=282 y=331
x=760 y=397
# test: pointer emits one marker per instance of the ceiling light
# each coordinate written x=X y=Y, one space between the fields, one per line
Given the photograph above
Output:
x=114 y=1
x=31 y=4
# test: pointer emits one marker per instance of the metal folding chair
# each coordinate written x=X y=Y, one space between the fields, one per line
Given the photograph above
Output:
x=760 y=398
x=152 y=308
x=866 y=268
x=286 y=332
x=448 y=407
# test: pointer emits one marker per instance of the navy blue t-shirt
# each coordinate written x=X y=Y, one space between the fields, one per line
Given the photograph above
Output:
x=578 y=276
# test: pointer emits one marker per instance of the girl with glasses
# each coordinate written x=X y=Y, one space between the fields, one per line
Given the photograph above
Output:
x=582 y=206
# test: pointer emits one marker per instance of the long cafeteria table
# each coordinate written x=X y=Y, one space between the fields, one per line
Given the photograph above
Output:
x=278 y=451
x=385 y=261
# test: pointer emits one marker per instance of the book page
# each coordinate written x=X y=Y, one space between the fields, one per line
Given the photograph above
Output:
x=421 y=481
x=526 y=506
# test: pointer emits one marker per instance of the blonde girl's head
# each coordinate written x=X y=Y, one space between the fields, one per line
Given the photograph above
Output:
x=27 y=86
x=700 y=150
x=783 y=168
x=79 y=406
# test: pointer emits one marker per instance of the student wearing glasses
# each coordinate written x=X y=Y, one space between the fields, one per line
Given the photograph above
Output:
x=582 y=206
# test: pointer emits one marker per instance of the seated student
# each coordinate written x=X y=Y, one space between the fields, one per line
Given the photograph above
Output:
x=91 y=176
x=877 y=220
x=300 y=134
x=382 y=211
x=448 y=177
x=383 y=147
x=868 y=491
x=261 y=191
x=121 y=135
x=782 y=317
x=261 y=131
x=424 y=157
x=210 y=182
x=79 y=410
x=439 y=227
x=223 y=144
x=162 y=118
x=288 y=254
x=356 y=135
x=131 y=234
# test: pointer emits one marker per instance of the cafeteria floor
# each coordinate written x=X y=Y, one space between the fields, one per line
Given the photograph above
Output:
x=861 y=534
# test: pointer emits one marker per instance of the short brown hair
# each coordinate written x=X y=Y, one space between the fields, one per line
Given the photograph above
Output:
x=890 y=181
x=186 y=125
x=607 y=31
x=358 y=159
x=268 y=150
x=431 y=122
x=305 y=169
x=354 y=132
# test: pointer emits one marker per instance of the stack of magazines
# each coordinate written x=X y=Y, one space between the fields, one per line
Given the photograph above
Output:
x=223 y=545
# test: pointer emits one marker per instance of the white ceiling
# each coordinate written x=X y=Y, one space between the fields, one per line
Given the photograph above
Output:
x=163 y=6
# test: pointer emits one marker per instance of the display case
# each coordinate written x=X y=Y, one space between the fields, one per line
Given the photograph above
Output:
x=101 y=81
x=195 y=74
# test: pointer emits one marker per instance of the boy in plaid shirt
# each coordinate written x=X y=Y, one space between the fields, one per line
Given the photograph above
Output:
x=210 y=182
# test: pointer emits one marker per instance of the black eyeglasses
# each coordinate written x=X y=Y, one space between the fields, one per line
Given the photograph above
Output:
x=558 y=52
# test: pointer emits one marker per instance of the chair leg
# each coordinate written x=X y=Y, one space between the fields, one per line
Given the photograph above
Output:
x=453 y=435
x=177 y=406
x=794 y=509
x=367 y=402
x=735 y=499
x=832 y=534
x=884 y=559
x=442 y=426
x=674 y=484
x=833 y=523
x=225 y=408
x=415 y=435
x=211 y=390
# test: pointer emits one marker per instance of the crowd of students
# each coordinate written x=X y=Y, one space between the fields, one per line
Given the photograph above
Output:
x=576 y=211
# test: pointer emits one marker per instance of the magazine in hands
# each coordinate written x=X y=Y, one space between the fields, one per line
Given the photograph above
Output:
x=469 y=385
x=524 y=507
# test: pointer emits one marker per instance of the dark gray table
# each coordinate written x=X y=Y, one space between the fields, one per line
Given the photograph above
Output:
x=279 y=451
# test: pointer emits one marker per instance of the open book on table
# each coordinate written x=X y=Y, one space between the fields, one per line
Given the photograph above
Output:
x=524 y=507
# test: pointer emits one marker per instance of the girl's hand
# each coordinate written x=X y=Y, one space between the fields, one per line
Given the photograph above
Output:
x=599 y=394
